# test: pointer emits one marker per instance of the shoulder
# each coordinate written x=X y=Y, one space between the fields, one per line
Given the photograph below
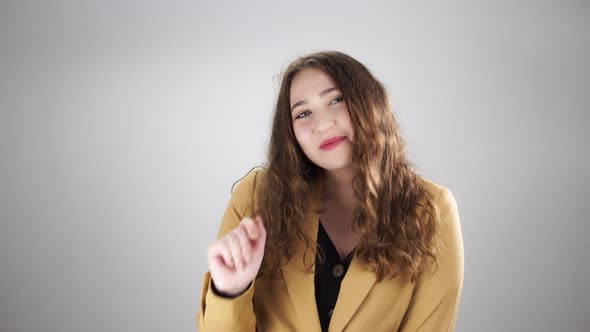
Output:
x=442 y=196
x=452 y=258
x=249 y=181
x=433 y=189
x=447 y=217
x=246 y=189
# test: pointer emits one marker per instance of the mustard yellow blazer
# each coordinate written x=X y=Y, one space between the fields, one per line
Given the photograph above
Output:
x=429 y=304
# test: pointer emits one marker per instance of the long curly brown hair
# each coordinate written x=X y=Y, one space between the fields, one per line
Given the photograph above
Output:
x=396 y=216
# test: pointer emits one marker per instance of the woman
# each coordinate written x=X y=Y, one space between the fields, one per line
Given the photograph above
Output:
x=337 y=230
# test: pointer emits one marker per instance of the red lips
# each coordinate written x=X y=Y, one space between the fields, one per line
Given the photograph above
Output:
x=332 y=142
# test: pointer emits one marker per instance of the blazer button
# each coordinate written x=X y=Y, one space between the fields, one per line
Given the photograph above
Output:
x=330 y=313
x=337 y=270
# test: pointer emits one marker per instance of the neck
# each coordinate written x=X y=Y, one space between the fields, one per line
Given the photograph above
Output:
x=339 y=190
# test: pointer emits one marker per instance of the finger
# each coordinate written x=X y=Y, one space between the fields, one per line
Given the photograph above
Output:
x=261 y=227
x=220 y=263
x=251 y=228
x=236 y=252
x=219 y=249
x=259 y=243
x=245 y=244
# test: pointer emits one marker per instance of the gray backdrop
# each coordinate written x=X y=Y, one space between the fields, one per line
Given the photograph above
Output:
x=123 y=125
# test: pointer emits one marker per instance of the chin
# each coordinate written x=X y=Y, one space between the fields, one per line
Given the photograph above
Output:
x=334 y=166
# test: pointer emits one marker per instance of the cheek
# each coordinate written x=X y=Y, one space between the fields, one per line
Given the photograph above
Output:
x=344 y=118
x=302 y=134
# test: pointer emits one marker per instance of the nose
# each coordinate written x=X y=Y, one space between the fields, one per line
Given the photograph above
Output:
x=324 y=120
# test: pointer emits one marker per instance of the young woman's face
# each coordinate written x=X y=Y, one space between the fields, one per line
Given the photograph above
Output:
x=320 y=116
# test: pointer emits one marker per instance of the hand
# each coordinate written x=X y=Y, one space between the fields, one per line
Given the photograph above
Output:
x=234 y=260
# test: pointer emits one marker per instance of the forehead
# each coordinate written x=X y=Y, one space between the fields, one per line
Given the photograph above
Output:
x=309 y=82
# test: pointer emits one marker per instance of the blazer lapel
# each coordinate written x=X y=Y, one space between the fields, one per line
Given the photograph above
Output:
x=301 y=284
x=354 y=288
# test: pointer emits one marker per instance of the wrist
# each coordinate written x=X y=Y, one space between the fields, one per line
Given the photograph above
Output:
x=228 y=293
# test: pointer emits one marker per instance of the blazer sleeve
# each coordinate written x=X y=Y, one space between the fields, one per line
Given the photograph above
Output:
x=435 y=298
x=218 y=313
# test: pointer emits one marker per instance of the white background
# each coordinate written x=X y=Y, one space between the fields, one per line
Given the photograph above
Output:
x=123 y=125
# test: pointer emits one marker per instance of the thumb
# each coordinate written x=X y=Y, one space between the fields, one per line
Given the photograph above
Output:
x=259 y=243
x=260 y=225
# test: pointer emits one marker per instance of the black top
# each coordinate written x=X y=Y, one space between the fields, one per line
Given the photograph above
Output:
x=328 y=277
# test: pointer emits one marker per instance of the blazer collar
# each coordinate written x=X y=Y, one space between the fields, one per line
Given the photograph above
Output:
x=300 y=284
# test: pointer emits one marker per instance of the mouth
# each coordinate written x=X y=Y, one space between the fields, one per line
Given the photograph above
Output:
x=332 y=142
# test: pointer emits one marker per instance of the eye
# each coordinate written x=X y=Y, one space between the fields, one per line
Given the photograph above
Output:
x=299 y=116
x=337 y=100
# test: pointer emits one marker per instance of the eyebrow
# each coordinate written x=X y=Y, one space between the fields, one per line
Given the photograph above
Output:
x=323 y=93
